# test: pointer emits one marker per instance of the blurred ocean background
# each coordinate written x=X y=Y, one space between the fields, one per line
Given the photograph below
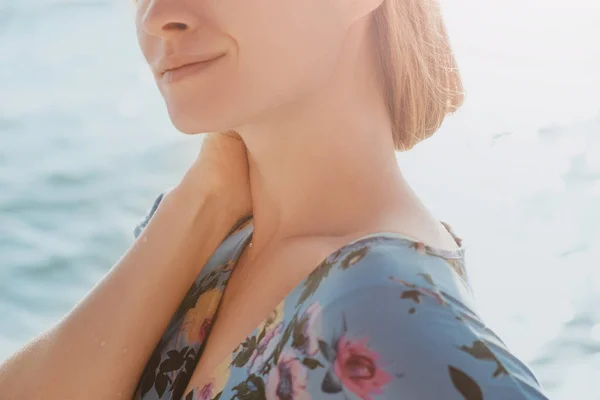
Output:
x=86 y=145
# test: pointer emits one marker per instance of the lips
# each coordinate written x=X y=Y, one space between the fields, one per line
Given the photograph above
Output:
x=175 y=74
x=190 y=64
x=175 y=62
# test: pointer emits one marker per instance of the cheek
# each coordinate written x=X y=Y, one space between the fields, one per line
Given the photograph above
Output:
x=284 y=48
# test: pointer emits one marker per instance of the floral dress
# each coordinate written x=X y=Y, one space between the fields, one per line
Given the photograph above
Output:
x=383 y=317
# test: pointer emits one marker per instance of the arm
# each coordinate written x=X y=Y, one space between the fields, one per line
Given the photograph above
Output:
x=99 y=350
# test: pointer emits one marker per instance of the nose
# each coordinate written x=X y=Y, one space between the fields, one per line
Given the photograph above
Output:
x=168 y=18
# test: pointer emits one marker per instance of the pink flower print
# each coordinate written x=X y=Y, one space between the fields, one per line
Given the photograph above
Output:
x=264 y=349
x=204 y=328
x=287 y=379
x=198 y=319
x=206 y=393
x=358 y=369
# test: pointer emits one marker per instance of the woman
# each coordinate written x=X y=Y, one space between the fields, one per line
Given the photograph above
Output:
x=293 y=261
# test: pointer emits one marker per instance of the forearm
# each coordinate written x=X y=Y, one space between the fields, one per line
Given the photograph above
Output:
x=99 y=349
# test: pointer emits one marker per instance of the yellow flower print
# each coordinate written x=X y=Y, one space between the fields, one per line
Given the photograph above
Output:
x=273 y=319
x=198 y=319
x=228 y=266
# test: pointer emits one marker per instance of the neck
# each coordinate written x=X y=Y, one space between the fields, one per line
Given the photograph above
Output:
x=325 y=165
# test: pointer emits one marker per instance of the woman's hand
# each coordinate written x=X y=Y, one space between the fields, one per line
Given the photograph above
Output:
x=221 y=171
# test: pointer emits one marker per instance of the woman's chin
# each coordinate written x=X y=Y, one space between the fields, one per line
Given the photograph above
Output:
x=203 y=116
x=193 y=125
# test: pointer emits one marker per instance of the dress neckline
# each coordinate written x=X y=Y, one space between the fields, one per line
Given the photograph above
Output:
x=246 y=226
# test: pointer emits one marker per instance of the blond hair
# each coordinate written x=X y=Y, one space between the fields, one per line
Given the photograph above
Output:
x=418 y=71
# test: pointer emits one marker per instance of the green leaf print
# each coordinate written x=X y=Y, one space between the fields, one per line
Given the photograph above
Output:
x=327 y=351
x=173 y=363
x=312 y=363
x=413 y=295
x=149 y=376
x=180 y=383
x=331 y=383
x=289 y=329
x=481 y=351
x=210 y=281
x=465 y=384
x=354 y=257
x=312 y=282
x=262 y=334
x=299 y=339
x=161 y=384
x=253 y=388
x=243 y=356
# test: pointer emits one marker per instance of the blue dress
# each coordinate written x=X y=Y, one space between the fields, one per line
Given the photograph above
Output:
x=383 y=317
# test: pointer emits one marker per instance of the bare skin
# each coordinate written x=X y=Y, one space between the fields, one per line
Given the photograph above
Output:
x=297 y=82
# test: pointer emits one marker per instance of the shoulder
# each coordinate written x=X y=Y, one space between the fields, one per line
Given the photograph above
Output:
x=405 y=318
x=390 y=261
